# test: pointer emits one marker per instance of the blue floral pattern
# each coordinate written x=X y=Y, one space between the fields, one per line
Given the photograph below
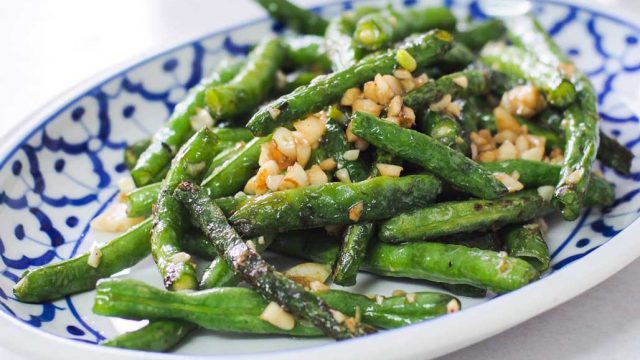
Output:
x=63 y=173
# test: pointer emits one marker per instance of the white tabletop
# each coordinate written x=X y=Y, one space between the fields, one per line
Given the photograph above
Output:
x=50 y=46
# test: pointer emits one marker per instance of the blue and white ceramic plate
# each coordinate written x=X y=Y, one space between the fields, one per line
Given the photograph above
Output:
x=60 y=171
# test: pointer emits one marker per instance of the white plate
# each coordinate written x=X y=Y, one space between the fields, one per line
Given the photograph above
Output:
x=59 y=171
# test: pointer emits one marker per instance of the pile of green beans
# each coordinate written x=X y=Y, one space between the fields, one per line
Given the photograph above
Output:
x=402 y=199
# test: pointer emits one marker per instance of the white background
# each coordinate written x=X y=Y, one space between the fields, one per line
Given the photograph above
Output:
x=49 y=46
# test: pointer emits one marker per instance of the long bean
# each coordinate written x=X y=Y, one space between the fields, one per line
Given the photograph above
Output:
x=132 y=152
x=238 y=309
x=178 y=129
x=525 y=241
x=334 y=203
x=478 y=82
x=341 y=47
x=159 y=335
x=442 y=263
x=610 y=152
x=377 y=30
x=464 y=216
x=252 y=84
x=581 y=132
x=257 y=272
x=300 y=20
x=327 y=90
x=75 y=275
x=537 y=173
x=230 y=177
x=422 y=150
x=520 y=63
x=169 y=217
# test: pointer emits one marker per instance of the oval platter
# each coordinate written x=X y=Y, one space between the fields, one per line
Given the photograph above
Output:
x=60 y=170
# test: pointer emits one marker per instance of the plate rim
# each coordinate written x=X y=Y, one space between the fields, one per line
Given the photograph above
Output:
x=564 y=281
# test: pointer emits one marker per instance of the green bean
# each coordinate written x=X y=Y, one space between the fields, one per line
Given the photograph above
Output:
x=307 y=52
x=231 y=309
x=477 y=84
x=383 y=157
x=428 y=153
x=341 y=48
x=477 y=35
x=580 y=152
x=393 y=311
x=250 y=87
x=158 y=335
x=169 y=217
x=231 y=177
x=537 y=173
x=223 y=156
x=238 y=309
x=463 y=216
x=581 y=131
x=162 y=335
x=525 y=241
x=75 y=275
x=335 y=144
x=298 y=19
x=520 y=63
x=178 y=129
x=435 y=262
x=614 y=155
x=232 y=135
x=452 y=264
x=318 y=246
x=253 y=269
x=378 y=30
x=480 y=240
x=458 y=58
x=220 y=274
x=334 y=203
x=463 y=290
x=329 y=89
x=445 y=129
x=352 y=252
x=141 y=200
x=133 y=152
x=610 y=152
x=356 y=237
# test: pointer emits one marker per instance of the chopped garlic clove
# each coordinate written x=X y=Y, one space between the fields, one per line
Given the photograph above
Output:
x=316 y=176
x=94 y=256
x=510 y=183
x=389 y=169
x=285 y=142
x=308 y=272
x=355 y=212
x=343 y=175
x=273 y=182
x=328 y=164
x=441 y=104
x=351 y=155
x=507 y=151
x=312 y=128
x=276 y=316
x=201 y=119
x=294 y=178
